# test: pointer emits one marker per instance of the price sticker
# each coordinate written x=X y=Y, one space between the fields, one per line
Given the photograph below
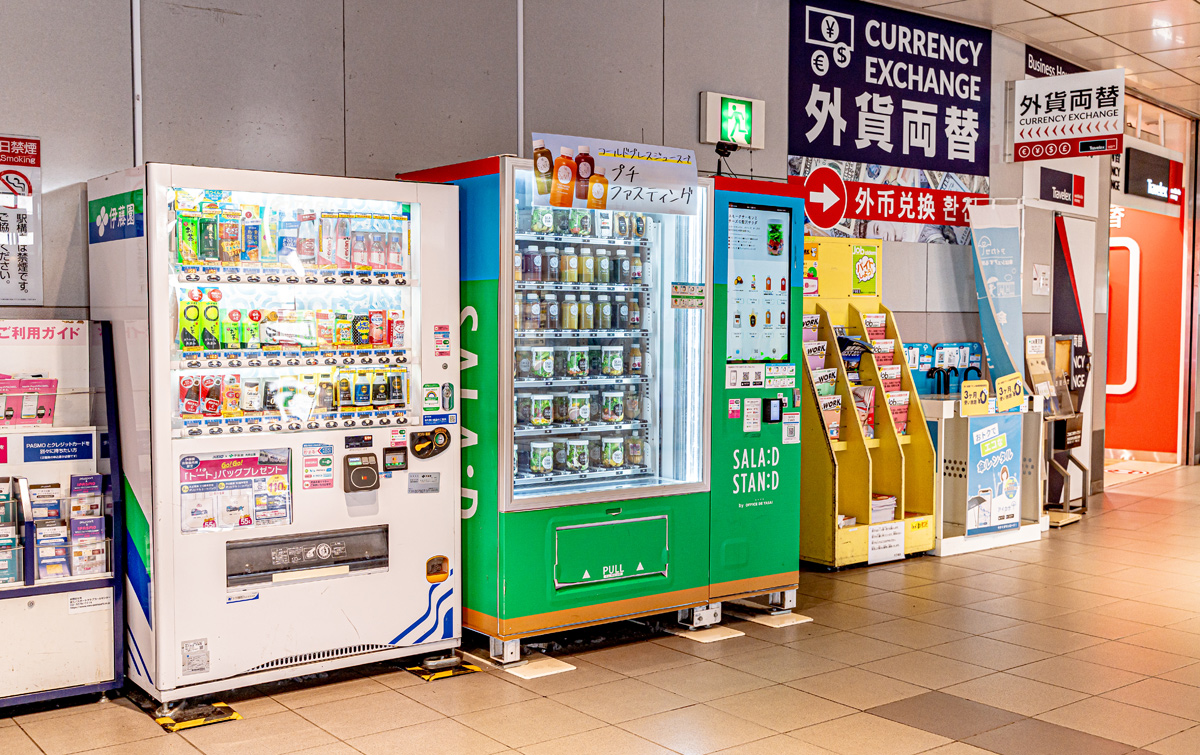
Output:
x=1010 y=392
x=974 y=398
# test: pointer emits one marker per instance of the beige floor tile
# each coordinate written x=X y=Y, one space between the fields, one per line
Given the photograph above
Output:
x=638 y=658
x=1165 y=696
x=713 y=650
x=996 y=583
x=1117 y=721
x=897 y=604
x=864 y=734
x=705 y=681
x=106 y=724
x=857 y=688
x=1068 y=597
x=989 y=653
x=392 y=676
x=849 y=648
x=464 y=694
x=781 y=708
x=607 y=741
x=955 y=595
x=1080 y=676
x=1132 y=658
x=1189 y=675
x=1043 y=574
x=1021 y=609
x=983 y=562
x=957 y=748
x=827 y=588
x=780 y=744
x=911 y=634
x=926 y=670
x=934 y=569
x=1111 y=586
x=880 y=578
x=341 y=685
x=252 y=702
x=781 y=635
x=443 y=736
x=622 y=700
x=7 y=722
x=1097 y=625
x=1184 y=743
x=696 y=730
x=522 y=724
x=1168 y=640
x=368 y=714
x=1146 y=613
x=842 y=616
x=1044 y=638
x=280 y=733
x=14 y=741
x=586 y=674
x=966 y=620
x=336 y=748
x=1015 y=693
x=780 y=664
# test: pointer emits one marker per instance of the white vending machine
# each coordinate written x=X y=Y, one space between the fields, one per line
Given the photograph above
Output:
x=288 y=372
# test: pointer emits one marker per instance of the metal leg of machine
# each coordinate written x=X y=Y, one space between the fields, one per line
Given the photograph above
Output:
x=504 y=651
x=781 y=602
x=700 y=616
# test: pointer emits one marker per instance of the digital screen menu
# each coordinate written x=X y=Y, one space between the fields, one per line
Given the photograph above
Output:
x=758 y=290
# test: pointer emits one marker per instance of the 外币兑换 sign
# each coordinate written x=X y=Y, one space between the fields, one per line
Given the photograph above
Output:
x=20 y=220
x=1078 y=114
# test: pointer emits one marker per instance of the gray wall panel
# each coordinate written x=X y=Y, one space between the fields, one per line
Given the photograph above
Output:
x=951 y=279
x=73 y=59
x=911 y=326
x=244 y=85
x=594 y=69
x=1038 y=249
x=756 y=66
x=949 y=327
x=904 y=275
x=429 y=84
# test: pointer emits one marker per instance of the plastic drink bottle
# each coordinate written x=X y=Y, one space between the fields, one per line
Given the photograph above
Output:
x=585 y=165
x=542 y=166
x=597 y=191
x=562 y=192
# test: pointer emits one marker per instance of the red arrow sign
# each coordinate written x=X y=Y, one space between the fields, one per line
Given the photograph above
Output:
x=826 y=202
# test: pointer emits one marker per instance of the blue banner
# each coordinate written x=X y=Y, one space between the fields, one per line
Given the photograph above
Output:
x=994 y=474
x=882 y=86
x=58 y=447
x=996 y=244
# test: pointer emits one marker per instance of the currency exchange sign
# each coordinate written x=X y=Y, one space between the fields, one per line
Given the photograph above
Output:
x=878 y=85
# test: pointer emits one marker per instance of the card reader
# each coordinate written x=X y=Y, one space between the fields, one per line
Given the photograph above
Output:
x=361 y=472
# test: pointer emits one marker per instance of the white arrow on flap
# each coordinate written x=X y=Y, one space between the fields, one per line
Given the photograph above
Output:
x=586 y=575
x=826 y=197
x=640 y=567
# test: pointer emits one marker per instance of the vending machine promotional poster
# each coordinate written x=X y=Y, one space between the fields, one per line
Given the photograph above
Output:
x=994 y=474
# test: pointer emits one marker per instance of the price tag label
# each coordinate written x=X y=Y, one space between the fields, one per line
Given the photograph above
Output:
x=1010 y=392
x=974 y=398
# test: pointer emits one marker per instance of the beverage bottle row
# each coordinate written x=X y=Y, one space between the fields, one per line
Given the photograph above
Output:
x=781 y=285
x=577 y=265
x=577 y=312
x=582 y=454
x=569 y=177
x=206 y=325
x=235 y=395
x=780 y=319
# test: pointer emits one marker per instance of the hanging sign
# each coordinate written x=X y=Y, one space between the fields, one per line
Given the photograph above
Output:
x=994 y=474
x=581 y=173
x=996 y=241
x=20 y=220
x=1079 y=114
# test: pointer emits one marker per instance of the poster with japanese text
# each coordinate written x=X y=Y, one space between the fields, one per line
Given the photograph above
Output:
x=994 y=474
x=996 y=242
x=20 y=220
x=582 y=173
x=235 y=489
x=898 y=104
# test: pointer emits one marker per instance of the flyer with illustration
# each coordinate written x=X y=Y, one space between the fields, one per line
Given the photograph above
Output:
x=994 y=474
x=235 y=489
x=758 y=292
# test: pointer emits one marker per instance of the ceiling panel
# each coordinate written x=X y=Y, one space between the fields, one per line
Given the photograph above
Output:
x=1156 y=15
x=1049 y=29
x=990 y=12
x=1131 y=63
x=1192 y=74
x=1062 y=7
x=1161 y=79
x=1154 y=40
x=1171 y=94
x=1091 y=48
x=1182 y=58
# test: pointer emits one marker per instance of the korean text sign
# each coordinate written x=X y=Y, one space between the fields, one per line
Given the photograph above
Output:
x=1068 y=116
x=20 y=220
x=877 y=85
x=640 y=177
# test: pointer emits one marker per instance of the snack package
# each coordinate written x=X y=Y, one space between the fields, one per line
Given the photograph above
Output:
x=864 y=405
x=831 y=412
x=897 y=402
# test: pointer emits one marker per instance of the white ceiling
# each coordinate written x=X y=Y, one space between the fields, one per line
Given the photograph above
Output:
x=1157 y=42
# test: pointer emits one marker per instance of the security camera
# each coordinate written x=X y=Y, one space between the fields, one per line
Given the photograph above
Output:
x=725 y=149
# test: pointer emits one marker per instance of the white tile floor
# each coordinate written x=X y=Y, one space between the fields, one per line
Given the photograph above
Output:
x=1087 y=642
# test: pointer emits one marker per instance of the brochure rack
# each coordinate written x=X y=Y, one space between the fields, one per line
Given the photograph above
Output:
x=842 y=475
x=74 y=620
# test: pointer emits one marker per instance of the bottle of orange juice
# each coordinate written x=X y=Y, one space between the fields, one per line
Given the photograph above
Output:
x=597 y=190
x=562 y=193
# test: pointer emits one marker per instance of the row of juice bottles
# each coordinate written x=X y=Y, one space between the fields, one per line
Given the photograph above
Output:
x=229 y=235
x=206 y=325
x=548 y=312
x=585 y=265
x=569 y=176
x=300 y=396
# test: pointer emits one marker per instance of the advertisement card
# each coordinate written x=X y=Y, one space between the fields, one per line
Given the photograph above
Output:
x=235 y=489
x=994 y=474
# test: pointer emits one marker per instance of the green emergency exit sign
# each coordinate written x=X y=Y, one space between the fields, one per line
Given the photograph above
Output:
x=737 y=120
x=732 y=119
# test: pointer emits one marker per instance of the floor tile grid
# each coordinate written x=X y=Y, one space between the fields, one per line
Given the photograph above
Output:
x=1058 y=623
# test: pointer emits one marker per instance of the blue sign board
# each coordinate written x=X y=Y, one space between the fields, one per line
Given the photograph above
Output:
x=67 y=447
x=994 y=474
x=881 y=86
x=997 y=254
